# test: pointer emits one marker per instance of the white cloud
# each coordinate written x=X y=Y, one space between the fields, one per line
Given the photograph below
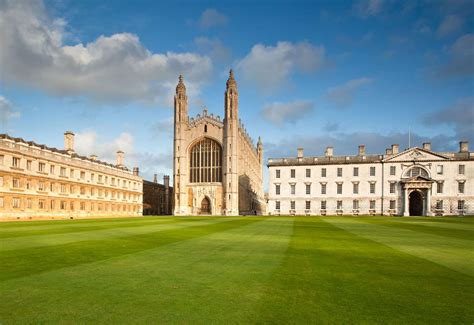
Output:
x=212 y=18
x=450 y=25
x=461 y=63
x=280 y=113
x=213 y=47
x=7 y=111
x=111 y=68
x=367 y=8
x=270 y=67
x=344 y=95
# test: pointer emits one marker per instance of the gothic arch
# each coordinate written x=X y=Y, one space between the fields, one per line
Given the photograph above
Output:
x=205 y=161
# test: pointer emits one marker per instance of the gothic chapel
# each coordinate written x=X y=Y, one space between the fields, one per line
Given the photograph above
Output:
x=217 y=167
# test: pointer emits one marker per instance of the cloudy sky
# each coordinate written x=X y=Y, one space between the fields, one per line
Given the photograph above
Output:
x=310 y=73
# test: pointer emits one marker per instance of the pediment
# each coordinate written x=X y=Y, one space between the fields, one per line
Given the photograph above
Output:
x=418 y=179
x=417 y=154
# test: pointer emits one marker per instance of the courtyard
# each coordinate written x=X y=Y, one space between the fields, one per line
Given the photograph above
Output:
x=238 y=270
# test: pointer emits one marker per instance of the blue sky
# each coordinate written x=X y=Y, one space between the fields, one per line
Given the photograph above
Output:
x=310 y=73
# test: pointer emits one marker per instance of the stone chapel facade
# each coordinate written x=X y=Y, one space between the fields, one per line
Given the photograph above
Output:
x=217 y=168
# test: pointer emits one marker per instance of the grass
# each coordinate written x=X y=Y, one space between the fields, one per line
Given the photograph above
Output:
x=238 y=270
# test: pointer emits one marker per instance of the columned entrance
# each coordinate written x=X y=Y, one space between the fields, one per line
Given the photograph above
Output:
x=205 y=206
x=416 y=203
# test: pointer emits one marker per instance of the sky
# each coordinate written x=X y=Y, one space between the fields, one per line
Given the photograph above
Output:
x=310 y=74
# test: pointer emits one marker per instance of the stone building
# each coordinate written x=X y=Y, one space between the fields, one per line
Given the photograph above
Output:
x=416 y=181
x=157 y=198
x=217 y=167
x=37 y=181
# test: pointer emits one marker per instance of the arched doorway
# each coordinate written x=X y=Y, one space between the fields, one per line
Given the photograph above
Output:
x=416 y=203
x=205 y=206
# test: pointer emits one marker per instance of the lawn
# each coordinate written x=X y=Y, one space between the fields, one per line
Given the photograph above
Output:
x=238 y=270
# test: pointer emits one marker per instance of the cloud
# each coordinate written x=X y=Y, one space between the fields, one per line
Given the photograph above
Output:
x=280 y=113
x=344 y=95
x=461 y=59
x=164 y=127
x=459 y=115
x=270 y=67
x=212 y=18
x=367 y=8
x=450 y=25
x=110 y=68
x=213 y=47
x=7 y=111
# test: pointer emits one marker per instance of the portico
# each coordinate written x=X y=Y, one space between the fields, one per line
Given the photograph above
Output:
x=417 y=196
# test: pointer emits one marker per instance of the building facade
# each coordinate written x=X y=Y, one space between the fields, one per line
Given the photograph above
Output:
x=37 y=181
x=157 y=198
x=416 y=181
x=217 y=167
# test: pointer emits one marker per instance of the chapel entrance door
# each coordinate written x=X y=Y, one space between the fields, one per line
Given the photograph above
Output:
x=205 y=206
x=416 y=203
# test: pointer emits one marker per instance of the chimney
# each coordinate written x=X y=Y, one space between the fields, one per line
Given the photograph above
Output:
x=300 y=152
x=93 y=157
x=427 y=146
x=388 y=152
x=463 y=146
x=69 y=141
x=136 y=171
x=362 y=150
x=329 y=151
x=166 y=180
x=155 y=178
x=120 y=154
x=395 y=148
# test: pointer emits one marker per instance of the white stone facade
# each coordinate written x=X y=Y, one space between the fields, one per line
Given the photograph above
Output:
x=416 y=181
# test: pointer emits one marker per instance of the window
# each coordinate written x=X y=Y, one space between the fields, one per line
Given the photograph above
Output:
x=416 y=171
x=323 y=172
x=40 y=186
x=372 y=171
x=83 y=190
x=62 y=205
x=292 y=205
x=439 y=204
x=355 y=172
x=63 y=188
x=205 y=162
x=439 y=187
x=323 y=205
x=1 y=202
x=392 y=187
x=28 y=164
x=393 y=170
x=355 y=188
x=16 y=162
x=51 y=187
x=1 y=181
x=52 y=204
x=392 y=204
x=29 y=203
x=372 y=188
x=92 y=177
x=461 y=205
x=292 y=186
x=51 y=169
x=355 y=204
x=461 y=187
x=28 y=184
x=339 y=172
x=277 y=189
x=99 y=180
x=83 y=175
x=62 y=171
x=71 y=189
x=41 y=204
x=16 y=182
x=339 y=188
x=293 y=173
x=372 y=204
x=277 y=205
x=308 y=172
x=339 y=205
x=308 y=188
x=277 y=174
x=439 y=169
x=323 y=188
x=16 y=203
x=2 y=160
x=71 y=173
x=71 y=205
x=461 y=169
x=308 y=205
x=83 y=206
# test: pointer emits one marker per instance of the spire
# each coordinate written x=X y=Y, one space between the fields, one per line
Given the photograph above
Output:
x=180 y=88
x=231 y=81
x=259 y=144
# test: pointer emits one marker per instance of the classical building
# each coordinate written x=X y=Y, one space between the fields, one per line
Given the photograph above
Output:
x=217 y=167
x=37 y=181
x=416 y=181
x=157 y=198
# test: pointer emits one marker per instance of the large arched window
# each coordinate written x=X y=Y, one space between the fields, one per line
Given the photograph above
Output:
x=416 y=171
x=205 y=162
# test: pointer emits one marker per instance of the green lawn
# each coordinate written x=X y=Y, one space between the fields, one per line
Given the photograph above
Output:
x=238 y=270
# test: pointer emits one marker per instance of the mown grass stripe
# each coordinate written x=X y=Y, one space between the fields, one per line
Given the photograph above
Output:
x=26 y=262
x=456 y=254
x=430 y=223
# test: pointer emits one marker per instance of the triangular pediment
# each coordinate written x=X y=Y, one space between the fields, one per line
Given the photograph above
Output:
x=417 y=154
